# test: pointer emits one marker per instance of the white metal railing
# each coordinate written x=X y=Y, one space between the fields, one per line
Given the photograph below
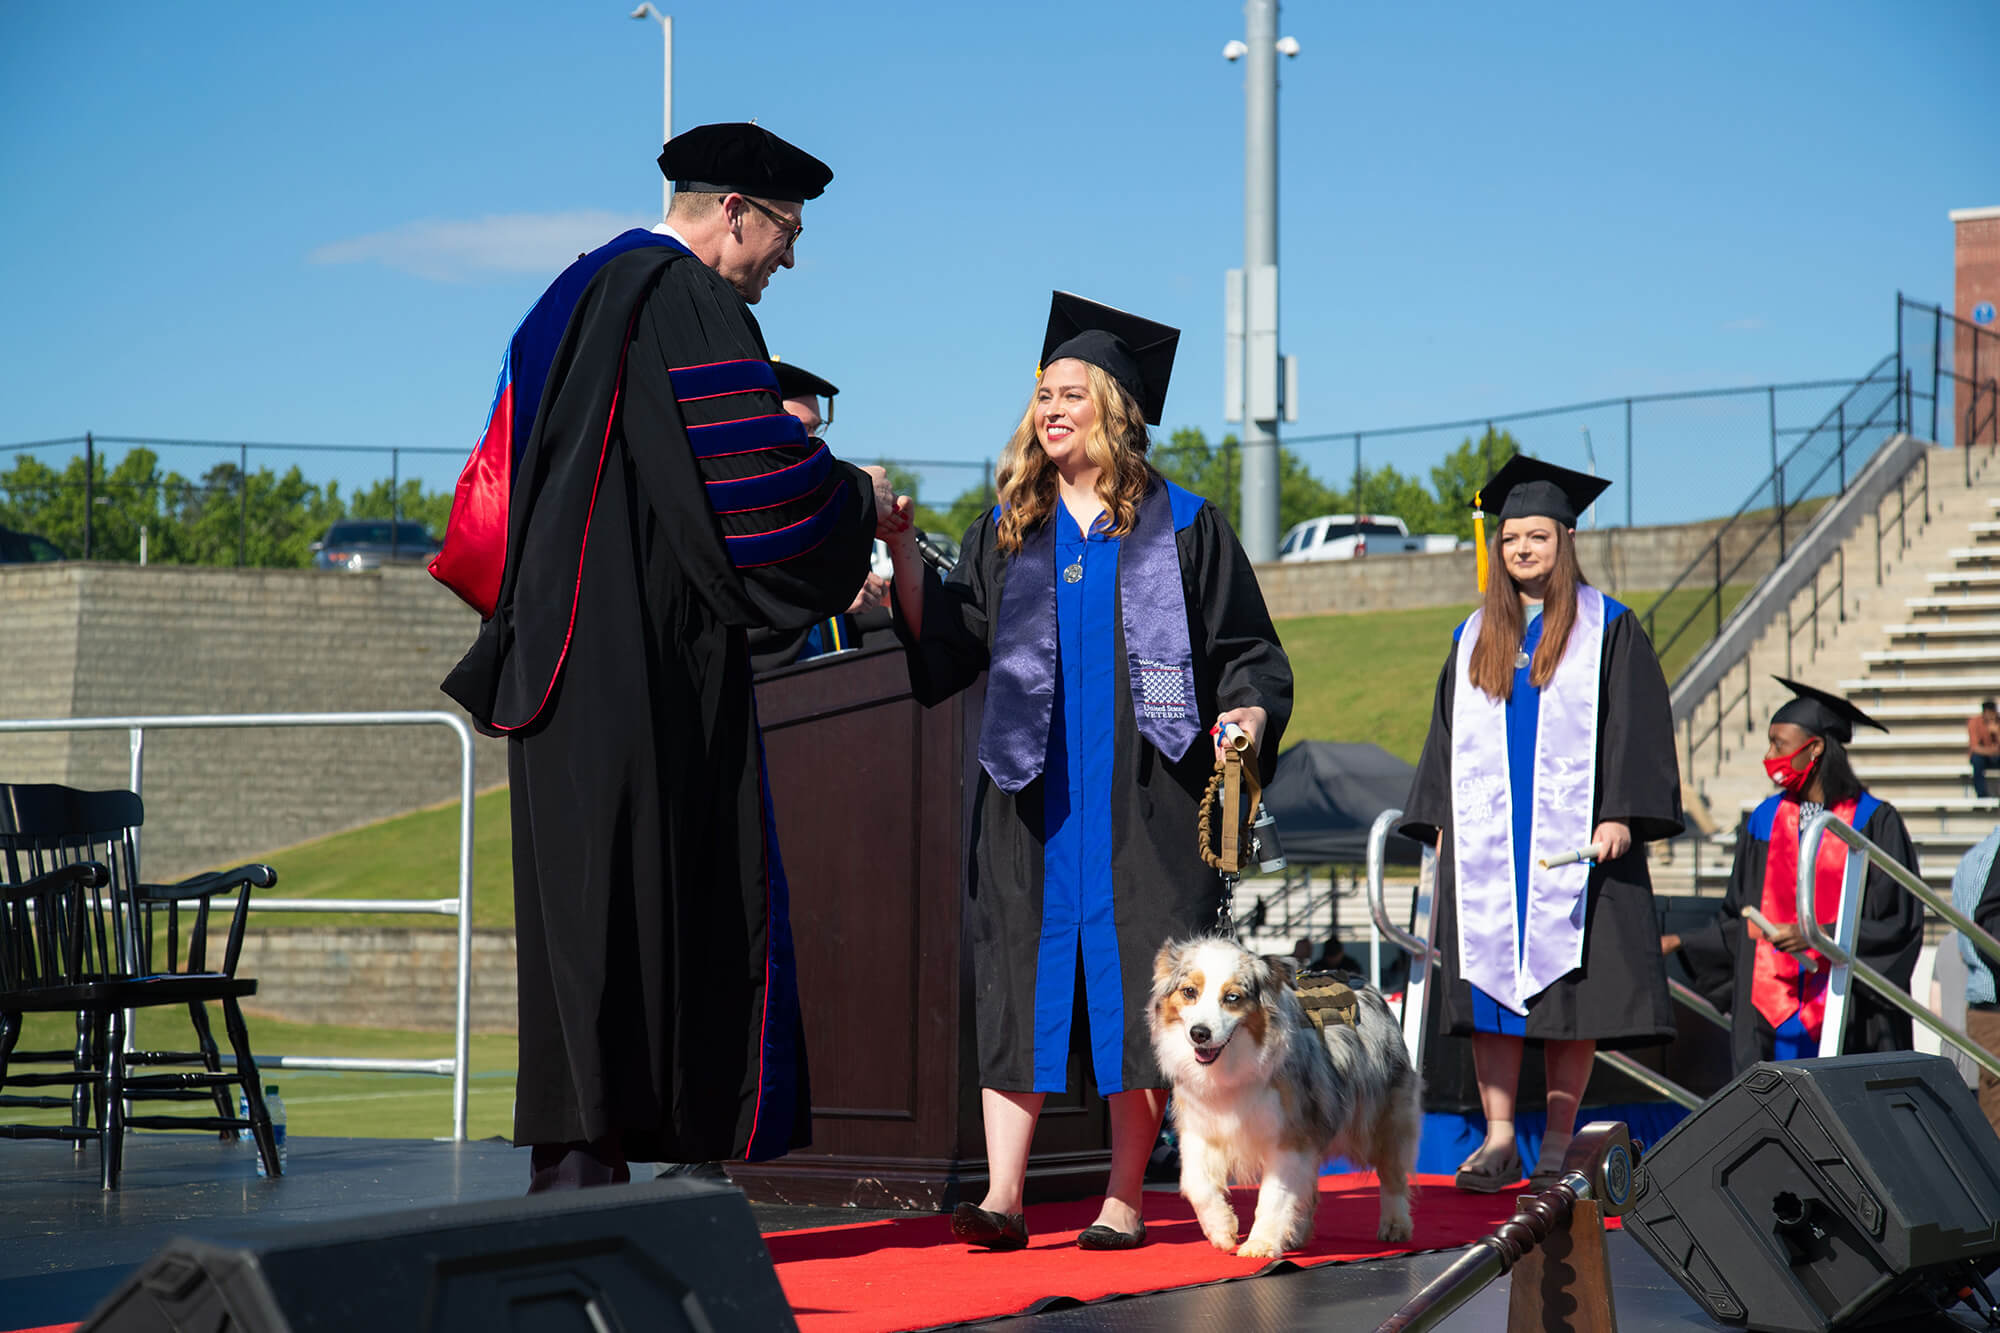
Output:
x=458 y=1066
x=1424 y=957
x=1839 y=948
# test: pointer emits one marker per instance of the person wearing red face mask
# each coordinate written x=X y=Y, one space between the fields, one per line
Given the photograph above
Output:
x=1779 y=998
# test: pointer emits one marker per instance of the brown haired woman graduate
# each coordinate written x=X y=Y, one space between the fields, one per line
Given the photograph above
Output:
x=1117 y=619
x=1551 y=733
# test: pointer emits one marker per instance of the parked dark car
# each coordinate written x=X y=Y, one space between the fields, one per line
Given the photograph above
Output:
x=25 y=548
x=370 y=543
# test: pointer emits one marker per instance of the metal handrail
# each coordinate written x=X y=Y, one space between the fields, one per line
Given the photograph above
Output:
x=1836 y=418
x=459 y=1065
x=1839 y=949
x=1687 y=997
x=1724 y=706
x=1902 y=518
x=1424 y=955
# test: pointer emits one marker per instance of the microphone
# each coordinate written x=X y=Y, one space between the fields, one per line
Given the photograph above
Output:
x=932 y=553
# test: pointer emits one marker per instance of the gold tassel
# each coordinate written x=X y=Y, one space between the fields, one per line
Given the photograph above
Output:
x=1479 y=543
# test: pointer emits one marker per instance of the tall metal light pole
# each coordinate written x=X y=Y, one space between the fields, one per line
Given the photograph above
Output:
x=1260 y=387
x=666 y=22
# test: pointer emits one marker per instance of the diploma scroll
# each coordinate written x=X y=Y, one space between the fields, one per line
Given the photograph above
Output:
x=1586 y=854
x=1763 y=923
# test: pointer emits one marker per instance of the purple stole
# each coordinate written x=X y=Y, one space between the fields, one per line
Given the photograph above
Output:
x=1152 y=604
x=1564 y=788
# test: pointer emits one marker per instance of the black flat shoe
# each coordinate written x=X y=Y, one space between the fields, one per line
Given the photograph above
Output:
x=995 y=1231
x=1480 y=1178
x=1097 y=1236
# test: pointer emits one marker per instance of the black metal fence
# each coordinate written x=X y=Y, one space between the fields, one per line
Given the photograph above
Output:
x=1889 y=400
x=1781 y=445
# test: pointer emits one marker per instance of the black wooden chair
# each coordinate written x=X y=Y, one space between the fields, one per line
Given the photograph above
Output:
x=80 y=934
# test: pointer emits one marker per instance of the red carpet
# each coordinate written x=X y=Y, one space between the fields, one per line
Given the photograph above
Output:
x=911 y=1273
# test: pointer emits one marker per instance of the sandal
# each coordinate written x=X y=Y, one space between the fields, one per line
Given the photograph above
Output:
x=1476 y=1178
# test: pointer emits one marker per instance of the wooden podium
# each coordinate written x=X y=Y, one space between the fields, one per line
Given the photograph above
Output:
x=872 y=794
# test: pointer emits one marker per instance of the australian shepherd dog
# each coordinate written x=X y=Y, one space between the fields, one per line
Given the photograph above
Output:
x=1258 y=1095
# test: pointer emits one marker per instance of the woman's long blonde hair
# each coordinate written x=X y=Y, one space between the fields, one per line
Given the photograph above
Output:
x=1116 y=443
x=1503 y=623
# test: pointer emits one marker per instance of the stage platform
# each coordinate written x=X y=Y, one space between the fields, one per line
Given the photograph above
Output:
x=64 y=1243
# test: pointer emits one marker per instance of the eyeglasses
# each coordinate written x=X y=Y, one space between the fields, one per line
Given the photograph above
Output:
x=792 y=227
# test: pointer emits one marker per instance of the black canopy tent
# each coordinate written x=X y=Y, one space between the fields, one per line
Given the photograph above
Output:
x=1326 y=795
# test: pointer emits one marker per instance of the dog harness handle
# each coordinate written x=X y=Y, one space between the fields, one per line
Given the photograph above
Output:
x=1327 y=999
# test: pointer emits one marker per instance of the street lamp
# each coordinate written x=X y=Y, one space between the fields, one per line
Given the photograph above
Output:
x=666 y=22
x=1260 y=387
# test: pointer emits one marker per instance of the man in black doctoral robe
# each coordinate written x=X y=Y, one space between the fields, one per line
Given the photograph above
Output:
x=662 y=506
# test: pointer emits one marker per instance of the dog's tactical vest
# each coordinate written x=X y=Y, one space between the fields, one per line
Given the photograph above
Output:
x=1327 y=999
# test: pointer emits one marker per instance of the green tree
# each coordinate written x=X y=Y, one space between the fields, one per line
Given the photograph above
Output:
x=970 y=503
x=32 y=500
x=270 y=520
x=123 y=500
x=1213 y=471
x=1464 y=470
x=414 y=504
x=1384 y=490
x=1210 y=471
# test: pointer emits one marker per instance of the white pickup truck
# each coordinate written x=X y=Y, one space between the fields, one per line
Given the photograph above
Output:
x=1345 y=536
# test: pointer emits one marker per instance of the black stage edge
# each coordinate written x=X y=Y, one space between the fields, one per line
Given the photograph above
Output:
x=65 y=1244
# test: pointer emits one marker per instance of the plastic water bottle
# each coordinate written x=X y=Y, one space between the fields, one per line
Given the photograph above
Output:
x=275 y=1106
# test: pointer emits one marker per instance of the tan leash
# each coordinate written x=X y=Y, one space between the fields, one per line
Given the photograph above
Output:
x=1235 y=771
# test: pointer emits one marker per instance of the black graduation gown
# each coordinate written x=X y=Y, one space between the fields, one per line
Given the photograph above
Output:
x=1888 y=938
x=656 y=997
x=1159 y=886
x=1618 y=997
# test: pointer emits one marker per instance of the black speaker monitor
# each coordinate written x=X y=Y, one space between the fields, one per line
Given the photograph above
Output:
x=673 y=1255
x=1812 y=1195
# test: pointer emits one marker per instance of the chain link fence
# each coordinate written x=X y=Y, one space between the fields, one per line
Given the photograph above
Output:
x=1675 y=457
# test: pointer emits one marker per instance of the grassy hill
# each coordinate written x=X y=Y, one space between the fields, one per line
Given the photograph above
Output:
x=1365 y=677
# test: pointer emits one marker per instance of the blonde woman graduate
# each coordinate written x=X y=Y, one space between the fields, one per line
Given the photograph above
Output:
x=1117 y=621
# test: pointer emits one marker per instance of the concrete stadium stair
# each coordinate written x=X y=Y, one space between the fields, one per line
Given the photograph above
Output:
x=1918 y=650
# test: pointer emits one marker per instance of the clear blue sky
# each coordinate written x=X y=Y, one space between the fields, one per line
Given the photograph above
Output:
x=321 y=222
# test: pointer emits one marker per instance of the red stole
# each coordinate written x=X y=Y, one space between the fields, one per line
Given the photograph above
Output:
x=1776 y=988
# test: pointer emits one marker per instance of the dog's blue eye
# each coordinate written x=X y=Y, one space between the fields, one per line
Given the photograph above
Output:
x=1234 y=997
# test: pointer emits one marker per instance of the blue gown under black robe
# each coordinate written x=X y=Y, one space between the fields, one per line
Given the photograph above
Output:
x=1618 y=997
x=1093 y=865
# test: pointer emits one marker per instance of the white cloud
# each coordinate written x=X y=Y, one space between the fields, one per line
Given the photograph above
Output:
x=444 y=250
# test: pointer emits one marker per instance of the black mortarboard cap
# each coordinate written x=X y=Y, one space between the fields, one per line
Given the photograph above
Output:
x=737 y=158
x=1136 y=352
x=797 y=382
x=1821 y=713
x=1527 y=487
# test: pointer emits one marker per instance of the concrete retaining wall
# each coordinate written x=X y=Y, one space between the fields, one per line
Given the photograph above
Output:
x=84 y=640
x=388 y=978
x=1632 y=559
